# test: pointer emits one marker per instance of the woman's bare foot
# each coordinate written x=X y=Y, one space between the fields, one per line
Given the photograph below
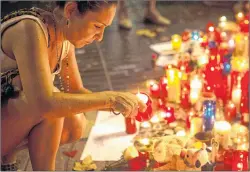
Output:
x=123 y=18
x=154 y=16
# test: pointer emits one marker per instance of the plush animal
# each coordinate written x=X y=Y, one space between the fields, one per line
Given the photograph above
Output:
x=201 y=159
x=189 y=157
x=196 y=158
x=165 y=149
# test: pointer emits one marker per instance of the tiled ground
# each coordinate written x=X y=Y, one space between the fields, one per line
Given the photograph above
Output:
x=122 y=61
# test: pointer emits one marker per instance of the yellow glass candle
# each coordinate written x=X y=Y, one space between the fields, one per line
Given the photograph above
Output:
x=236 y=96
x=240 y=64
x=239 y=44
x=176 y=41
x=222 y=131
x=196 y=124
x=174 y=85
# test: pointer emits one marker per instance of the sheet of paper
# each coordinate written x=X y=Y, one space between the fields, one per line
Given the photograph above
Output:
x=161 y=47
x=163 y=61
x=165 y=48
x=107 y=139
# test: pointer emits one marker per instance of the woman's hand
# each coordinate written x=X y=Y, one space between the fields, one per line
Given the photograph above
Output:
x=126 y=103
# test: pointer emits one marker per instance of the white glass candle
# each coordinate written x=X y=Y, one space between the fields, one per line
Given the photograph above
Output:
x=195 y=89
x=222 y=130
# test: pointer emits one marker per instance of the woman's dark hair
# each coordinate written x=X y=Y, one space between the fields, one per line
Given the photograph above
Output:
x=86 y=5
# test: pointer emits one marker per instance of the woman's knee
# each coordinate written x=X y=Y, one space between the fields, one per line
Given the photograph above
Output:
x=74 y=128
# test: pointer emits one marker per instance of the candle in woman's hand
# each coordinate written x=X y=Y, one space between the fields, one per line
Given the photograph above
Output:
x=144 y=116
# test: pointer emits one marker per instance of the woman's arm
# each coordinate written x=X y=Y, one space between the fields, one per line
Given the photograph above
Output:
x=27 y=43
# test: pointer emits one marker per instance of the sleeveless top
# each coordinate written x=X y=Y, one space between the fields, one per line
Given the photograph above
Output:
x=10 y=68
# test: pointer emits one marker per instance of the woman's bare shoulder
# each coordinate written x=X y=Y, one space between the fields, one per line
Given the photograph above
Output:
x=24 y=33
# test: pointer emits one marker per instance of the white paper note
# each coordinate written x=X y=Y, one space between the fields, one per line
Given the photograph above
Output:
x=107 y=139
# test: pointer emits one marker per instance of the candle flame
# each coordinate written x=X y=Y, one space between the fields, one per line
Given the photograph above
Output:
x=155 y=87
x=231 y=43
x=222 y=126
x=155 y=119
x=231 y=105
x=145 y=124
x=240 y=14
x=223 y=19
x=145 y=141
x=181 y=133
x=211 y=28
x=223 y=34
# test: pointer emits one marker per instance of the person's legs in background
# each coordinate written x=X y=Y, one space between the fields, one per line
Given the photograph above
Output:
x=123 y=18
x=152 y=15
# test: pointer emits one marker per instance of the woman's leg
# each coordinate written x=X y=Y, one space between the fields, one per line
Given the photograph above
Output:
x=123 y=18
x=73 y=128
x=44 y=140
x=153 y=15
x=16 y=123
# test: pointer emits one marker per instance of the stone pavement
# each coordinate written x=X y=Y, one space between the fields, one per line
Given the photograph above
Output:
x=122 y=61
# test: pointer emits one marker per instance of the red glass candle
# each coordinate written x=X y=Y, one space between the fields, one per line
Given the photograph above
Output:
x=204 y=42
x=244 y=25
x=210 y=27
x=232 y=80
x=185 y=35
x=208 y=89
x=230 y=112
x=130 y=125
x=147 y=115
x=244 y=103
x=244 y=82
x=158 y=164
x=228 y=159
x=190 y=115
x=185 y=101
x=139 y=163
x=163 y=87
x=155 y=90
x=240 y=160
x=161 y=103
x=169 y=114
